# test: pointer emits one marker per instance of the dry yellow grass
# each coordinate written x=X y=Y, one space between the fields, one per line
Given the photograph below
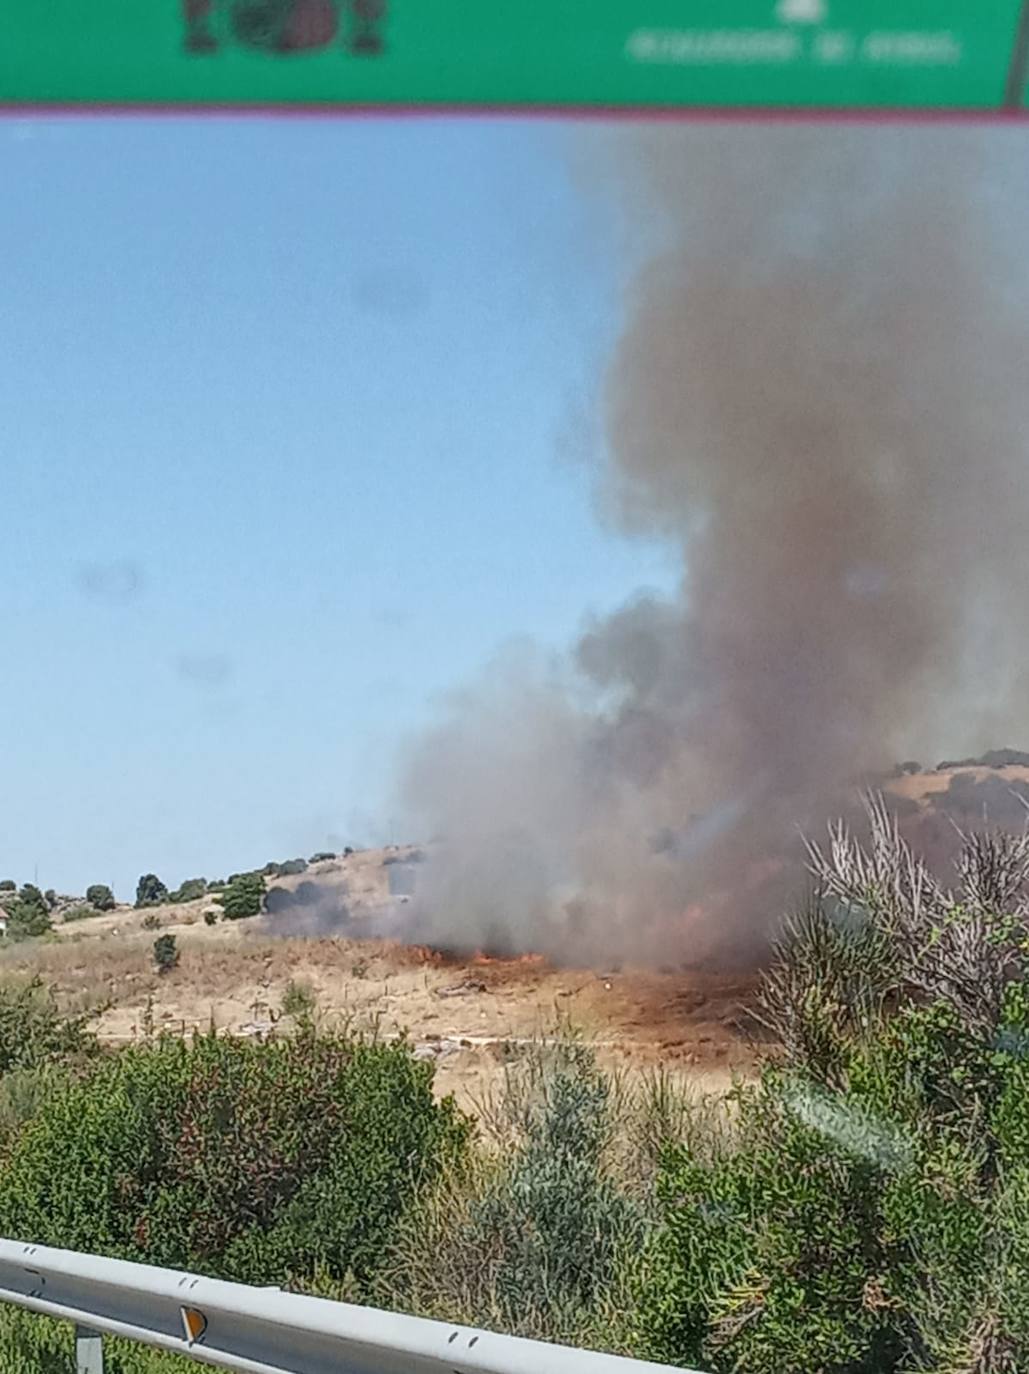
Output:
x=467 y=1016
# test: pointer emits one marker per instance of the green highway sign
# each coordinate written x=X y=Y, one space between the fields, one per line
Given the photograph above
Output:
x=834 y=55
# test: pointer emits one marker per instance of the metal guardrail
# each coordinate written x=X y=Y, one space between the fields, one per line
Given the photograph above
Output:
x=262 y=1330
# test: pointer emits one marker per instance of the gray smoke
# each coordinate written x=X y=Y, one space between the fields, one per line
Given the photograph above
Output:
x=821 y=395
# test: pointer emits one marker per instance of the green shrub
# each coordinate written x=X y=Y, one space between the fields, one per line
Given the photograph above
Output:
x=286 y=869
x=189 y=891
x=210 y=918
x=243 y=897
x=26 y=922
x=166 y=953
x=33 y=1031
x=320 y=855
x=23 y=1093
x=100 y=896
x=871 y=1214
x=249 y=1161
x=151 y=921
x=150 y=891
x=79 y=913
x=29 y=914
x=42 y=1345
x=299 y=1000
x=8 y=885
x=530 y=1241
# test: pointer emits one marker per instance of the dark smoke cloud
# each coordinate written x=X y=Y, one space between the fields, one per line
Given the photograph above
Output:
x=821 y=395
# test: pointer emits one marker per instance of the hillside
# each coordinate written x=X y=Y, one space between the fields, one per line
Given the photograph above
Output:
x=336 y=928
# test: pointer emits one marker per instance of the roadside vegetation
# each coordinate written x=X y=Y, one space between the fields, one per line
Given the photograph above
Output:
x=861 y=1208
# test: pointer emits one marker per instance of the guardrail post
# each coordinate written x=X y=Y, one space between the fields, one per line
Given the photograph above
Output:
x=89 y=1351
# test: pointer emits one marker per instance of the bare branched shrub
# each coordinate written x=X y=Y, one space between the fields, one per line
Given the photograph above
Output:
x=959 y=946
x=830 y=977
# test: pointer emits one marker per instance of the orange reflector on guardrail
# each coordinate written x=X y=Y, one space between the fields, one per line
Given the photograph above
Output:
x=194 y=1323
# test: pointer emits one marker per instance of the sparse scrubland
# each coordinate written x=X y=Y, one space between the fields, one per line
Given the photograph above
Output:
x=860 y=1206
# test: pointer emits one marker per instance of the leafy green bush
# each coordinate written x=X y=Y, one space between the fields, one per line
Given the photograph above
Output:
x=23 y=1092
x=100 y=896
x=870 y=1214
x=166 y=953
x=189 y=891
x=29 y=914
x=33 y=1031
x=243 y=897
x=210 y=918
x=257 y=1162
x=150 y=891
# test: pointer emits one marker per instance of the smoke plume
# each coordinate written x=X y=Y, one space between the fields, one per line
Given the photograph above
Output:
x=821 y=395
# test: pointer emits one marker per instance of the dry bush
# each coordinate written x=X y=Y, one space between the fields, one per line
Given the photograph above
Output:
x=880 y=925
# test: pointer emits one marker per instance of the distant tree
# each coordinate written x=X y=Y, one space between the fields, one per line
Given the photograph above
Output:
x=322 y=854
x=150 y=891
x=8 y=885
x=166 y=954
x=243 y=897
x=50 y=897
x=190 y=890
x=99 y=895
x=284 y=869
x=28 y=914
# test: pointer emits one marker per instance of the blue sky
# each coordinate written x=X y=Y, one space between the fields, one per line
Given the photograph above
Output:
x=284 y=419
